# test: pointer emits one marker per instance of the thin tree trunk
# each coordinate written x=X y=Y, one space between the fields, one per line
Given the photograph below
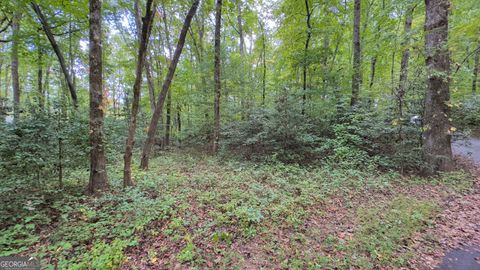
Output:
x=373 y=67
x=326 y=45
x=40 y=79
x=1 y=70
x=217 y=78
x=201 y=31
x=404 y=64
x=264 y=62
x=152 y=129
x=148 y=66
x=179 y=118
x=240 y=28
x=7 y=81
x=168 y=119
x=142 y=51
x=70 y=52
x=46 y=86
x=15 y=77
x=305 y=60
x=58 y=52
x=357 y=55
x=392 y=73
x=166 y=140
x=98 y=171
x=242 y=57
x=151 y=84
x=476 y=69
x=373 y=64
x=437 y=132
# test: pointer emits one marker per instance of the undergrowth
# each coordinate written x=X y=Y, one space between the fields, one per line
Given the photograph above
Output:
x=207 y=207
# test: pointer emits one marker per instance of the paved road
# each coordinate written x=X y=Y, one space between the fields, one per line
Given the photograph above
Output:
x=469 y=148
x=461 y=259
x=467 y=258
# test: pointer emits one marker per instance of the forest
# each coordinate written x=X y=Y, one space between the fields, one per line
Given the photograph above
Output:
x=240 y=134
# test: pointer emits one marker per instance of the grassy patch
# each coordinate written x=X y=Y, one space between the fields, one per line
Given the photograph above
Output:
x=386 y=231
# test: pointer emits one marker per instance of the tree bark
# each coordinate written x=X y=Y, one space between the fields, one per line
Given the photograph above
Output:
x=242 y=57
x=152 y=129
x=217 y=78
x=476 y=69
x=46 y=86
x=148 y=66
x=142 y=51
x=437 y=134
x=14 y=65
x=41 y=102
x=1 y=70
x=179 y=118
x=373 y=64
x=404 y=64
x=98 y=171
x=58 y=52
x=166 y=140
x=357 y=55
x=264 y=63
x=7 y=80
x=240 y=28
x=305 y=52
x=151 y=84
x=168 y=119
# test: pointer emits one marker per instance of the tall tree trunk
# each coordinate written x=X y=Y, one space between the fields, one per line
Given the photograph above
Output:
x=166 y=140
x=404 y=64
x=142 y=51
x=15 y=77
x=41 y=102
x=373 y=67
x=71 y=53
x=151 y=84
x=148 y=66
x=58 y=52
x=242 y=57
x=357 y=55
x=305 y=53
x=437 y=132
x=1 y=70
x=98 y=171
x=373 y=64
x=240 y=28
x=217 y=78
x=152 y=129
x=264 y=63
x=46 y=86
x=6 y=81
x=179 y=118
x=476 y=69
x=201 y=30
x=168 y=119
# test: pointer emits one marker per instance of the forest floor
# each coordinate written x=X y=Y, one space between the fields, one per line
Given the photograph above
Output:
x=191 y=211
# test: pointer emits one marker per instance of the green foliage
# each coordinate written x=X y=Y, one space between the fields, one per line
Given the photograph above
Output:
x=34 y=148
x=282 y=133
x=466 y=113
x=195 y=204
x=17 y=238
x=188 y=253
x=460 y=181
x=386 y=228
x=102 y=256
